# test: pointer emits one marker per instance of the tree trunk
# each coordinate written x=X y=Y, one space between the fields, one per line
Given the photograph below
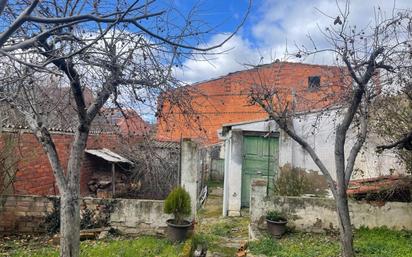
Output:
x=69 y=224
x=345 y=226
x=70 y=200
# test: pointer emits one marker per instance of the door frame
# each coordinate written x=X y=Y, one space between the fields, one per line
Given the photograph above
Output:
x=260 y=133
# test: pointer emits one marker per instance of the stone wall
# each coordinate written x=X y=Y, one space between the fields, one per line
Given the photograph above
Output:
x=319 y=214
x=26 y=214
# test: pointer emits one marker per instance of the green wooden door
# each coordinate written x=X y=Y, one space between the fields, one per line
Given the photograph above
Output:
x=260 y=159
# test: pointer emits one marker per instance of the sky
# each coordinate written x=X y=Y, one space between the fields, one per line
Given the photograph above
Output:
x=271 y=28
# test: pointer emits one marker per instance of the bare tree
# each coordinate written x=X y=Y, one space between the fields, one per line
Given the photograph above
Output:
x=369 y=58
x=115 y=49
x=394 y=119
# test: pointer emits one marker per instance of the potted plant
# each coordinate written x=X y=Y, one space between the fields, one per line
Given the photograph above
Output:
x=276 y=223
x=178 y=204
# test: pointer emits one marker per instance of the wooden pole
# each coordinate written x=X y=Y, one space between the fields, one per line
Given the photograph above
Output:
x=113 y=179
x=179 y=167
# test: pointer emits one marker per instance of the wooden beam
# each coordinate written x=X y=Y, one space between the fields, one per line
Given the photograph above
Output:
x=113 y=179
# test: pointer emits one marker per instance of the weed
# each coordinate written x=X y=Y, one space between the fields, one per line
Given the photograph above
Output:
x=376 y=242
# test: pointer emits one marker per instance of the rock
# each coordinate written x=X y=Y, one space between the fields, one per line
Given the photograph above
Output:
x=241 y=254
x=103 y=235
x=55 y=240
x=212 y=254
x=262 y=223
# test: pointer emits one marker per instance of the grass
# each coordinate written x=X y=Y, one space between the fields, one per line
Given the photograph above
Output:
x=214 y=209
x=379 y=242
x=221 y=230
x=143 y=246
x=231 y=227
x=217 y=231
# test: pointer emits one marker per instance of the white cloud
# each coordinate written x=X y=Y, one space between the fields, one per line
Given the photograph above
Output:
x=278 y=22
x=232 y=56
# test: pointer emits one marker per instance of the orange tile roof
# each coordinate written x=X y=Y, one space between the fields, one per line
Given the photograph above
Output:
x=361 y=187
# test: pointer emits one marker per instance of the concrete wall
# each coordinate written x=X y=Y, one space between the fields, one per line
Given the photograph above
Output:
x=145 y=217
x=26 y=214
x=319 y=214
x=322 y=138
x=233 y=175
x=190 y=167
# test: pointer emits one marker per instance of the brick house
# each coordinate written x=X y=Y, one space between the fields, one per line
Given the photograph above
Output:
x=253 y=146
x=225 y=100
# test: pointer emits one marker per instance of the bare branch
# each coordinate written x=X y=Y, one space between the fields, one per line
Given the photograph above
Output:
x=90 y=17
x=4 y=36
x=3 y=4
x=360 y=140
x=404 y=142
x=201 y=49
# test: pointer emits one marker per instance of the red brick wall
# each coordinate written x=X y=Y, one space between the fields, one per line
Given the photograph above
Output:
x=225 y=100
x=34 y=175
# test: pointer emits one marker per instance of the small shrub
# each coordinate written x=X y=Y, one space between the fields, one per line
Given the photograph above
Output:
x=178 y=204
x=186 y=249
x=199 y=242
x=275 y=216
x=86 y=221
x=290 y=182
x=294 y=181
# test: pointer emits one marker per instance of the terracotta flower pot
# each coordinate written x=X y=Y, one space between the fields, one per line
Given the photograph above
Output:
x=177 y=232
x=276 y=228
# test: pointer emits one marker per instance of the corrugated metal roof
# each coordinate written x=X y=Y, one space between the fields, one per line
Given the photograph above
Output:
x=108 y=155
x=159 y=144
x=166 y=144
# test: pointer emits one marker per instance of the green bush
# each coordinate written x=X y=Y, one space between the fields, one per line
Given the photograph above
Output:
x=275 y=216
x=178 y=204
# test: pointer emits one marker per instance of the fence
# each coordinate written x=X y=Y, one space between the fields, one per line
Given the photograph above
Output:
x=217 y=169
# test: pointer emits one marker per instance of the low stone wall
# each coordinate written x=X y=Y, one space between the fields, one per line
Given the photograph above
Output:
x=319 y=214
x=139 y=217
x=26 y=214
x=23 y=214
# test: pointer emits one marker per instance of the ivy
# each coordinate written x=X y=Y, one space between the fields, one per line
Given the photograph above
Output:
x=89 y=218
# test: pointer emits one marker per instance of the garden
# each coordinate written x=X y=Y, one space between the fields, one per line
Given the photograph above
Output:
x=380 y=242
x=211 y=235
